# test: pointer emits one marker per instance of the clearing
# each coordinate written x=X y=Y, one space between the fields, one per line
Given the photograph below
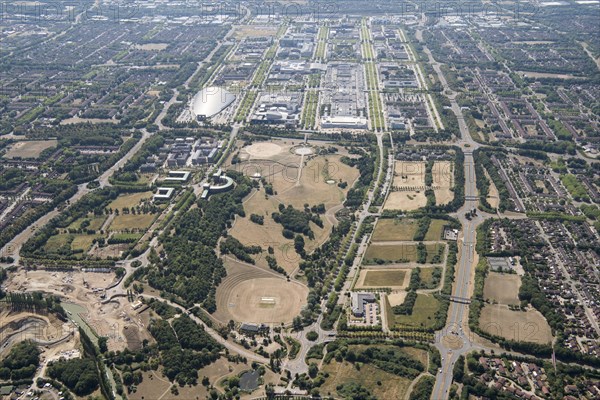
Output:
x=436 y=228
x=399 y=252
x=340 y=373
x=129 y=200
x=132 y=221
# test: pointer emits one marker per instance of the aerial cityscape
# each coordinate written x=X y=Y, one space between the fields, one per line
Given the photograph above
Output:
x=336 y=199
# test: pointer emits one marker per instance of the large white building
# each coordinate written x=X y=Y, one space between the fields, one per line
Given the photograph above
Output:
x=210 y=101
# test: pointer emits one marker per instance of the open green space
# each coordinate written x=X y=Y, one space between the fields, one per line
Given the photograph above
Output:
x=423 y=314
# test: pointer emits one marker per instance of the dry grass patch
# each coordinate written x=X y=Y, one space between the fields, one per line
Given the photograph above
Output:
x=30 y=148
x=493 y=196
x=502 y=288
x=129 y=200
x=83 y=242
x=525 y=326
x=132 y=221
x=409 y=187
x=391 y=387
x=391 y=252
x=394 y=229
x=443 y=180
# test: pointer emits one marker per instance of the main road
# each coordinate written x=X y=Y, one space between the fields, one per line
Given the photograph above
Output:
x=454 y=339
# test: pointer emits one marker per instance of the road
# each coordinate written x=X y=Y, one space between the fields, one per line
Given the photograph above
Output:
x=454 y=339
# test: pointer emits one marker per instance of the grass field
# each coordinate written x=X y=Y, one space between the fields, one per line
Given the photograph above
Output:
x=427 y=274
x=423 y=315
x=502 y=288
x=58 y=241
x=384 y=278
x=395 y=229
x=392 y=252
x=29 y=149
x=83 y=242
x=399 y=252
x=129 y=200
x=436 y=228
x=392 y=387
x=278 y=164
x=132 y=221
x=526 y=326
x=95 y=222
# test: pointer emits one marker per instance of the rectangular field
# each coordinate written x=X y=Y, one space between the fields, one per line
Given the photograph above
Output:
x=526 y=326
x=390 y=278
x=391 y=252
x=83 y=242
x=502 y=288
x=132 y=221
x=408 y=187
x=30 y=148
x=395 y=229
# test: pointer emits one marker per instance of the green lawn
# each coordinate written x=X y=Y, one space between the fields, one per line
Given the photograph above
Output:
x=436 y=228
x=423 y=315
x=385 y=278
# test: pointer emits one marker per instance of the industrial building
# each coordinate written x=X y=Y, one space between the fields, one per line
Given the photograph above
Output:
x=210 y=101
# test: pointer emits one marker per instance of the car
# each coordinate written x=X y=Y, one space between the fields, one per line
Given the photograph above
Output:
x=439 y=371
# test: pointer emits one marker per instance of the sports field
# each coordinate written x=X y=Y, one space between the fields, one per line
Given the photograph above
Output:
x=251 y=294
